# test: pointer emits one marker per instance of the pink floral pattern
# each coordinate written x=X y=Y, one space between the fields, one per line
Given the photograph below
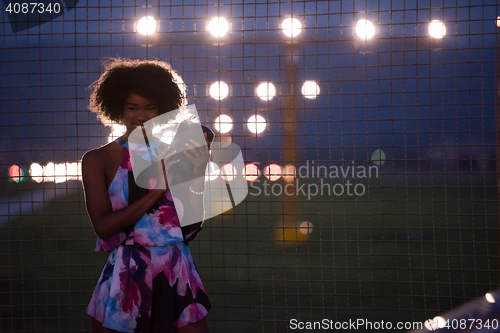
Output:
x=153 y=254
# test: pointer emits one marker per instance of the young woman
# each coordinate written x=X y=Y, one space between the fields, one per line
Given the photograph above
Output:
x=149 y=282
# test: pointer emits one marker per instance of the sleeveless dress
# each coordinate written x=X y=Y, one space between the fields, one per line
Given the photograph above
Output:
x=149 y=280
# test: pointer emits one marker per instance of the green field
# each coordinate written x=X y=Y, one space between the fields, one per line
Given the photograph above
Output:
x=407 y=250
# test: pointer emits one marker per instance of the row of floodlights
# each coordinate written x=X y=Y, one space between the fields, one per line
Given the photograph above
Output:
x=223 y=124
x=291 y=27
x=62 y=172
x=266 y=91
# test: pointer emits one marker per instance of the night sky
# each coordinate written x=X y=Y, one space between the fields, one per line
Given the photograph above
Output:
x=414 y=96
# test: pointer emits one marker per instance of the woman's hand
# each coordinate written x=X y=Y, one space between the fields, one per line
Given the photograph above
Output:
x=198 y=156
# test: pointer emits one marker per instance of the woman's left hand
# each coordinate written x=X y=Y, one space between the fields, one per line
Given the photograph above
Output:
x=198 y=156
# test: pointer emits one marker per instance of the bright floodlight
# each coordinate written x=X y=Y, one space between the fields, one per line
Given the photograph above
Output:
x=273 y=172
x=489 y=297
x=218 y=27
x=291 y=27
x=437 y=29
x=223 y=123
x=228 y=172
x=250 y=172
x=266 y=91
x=256 y=124
x=219 y=90
x=498 y=21
x=117 y=130
x=310 y=89
x=146 y=25
x=167 y=137
x=306 y=227
x=212 y=171
x=365 y=29
x=36 y=172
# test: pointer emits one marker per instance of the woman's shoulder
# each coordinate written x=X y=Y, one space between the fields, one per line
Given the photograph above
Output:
x=101 y=155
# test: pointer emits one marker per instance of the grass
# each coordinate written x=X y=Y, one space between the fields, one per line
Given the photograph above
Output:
x=405 y=251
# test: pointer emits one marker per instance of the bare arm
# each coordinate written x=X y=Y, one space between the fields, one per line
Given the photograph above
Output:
x=105 y=221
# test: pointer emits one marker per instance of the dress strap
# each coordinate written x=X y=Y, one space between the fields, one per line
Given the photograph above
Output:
x=122 y=142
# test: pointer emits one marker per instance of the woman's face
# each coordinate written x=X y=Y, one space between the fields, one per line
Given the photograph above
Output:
x=137 y=111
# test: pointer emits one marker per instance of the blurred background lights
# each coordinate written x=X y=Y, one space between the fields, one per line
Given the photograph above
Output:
x=378 y=157
x=310 y=89
x=291 y=27
x=117 y=130
x=256 y=124
x=36 y=172
x=266 y=91
x=273 y=172
x=437 y=29
x=223 y=123
x=250 y=172
x=219 y=90
x=55 y=172
x=167 y=136
x=435 y=323
x=61 y=172
x=489 y=297
x=306 y=227
x=16 y=173
x=212 y=171
x=498 y=21
x=228 y=172
x=146 y=25
x=365 y=29
x=440 y=321
x=218 y=27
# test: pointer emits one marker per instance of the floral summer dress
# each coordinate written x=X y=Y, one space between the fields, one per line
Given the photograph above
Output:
x=149 y=279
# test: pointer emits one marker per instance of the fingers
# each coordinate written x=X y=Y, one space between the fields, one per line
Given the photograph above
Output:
x=166 y=154
x=170 y=163
x=195 y=149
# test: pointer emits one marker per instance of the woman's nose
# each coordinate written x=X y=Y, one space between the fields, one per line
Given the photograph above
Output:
x=142 y=115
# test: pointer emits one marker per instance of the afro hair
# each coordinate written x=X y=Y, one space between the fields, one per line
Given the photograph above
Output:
x=151 y=79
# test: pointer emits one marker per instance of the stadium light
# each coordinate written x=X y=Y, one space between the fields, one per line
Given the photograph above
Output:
x=256 y=124
x=212 y=171
x=273 y=172
x=228 y=172
x=36 y=172
x=489 y=297
x=266 y=91
x=437 y=29
x=117 y=130
x=223 y=123
x=306 y=227
x=146 y=25
x=291 y=27
x=365 y=29
x=310 y=89
x=250 y=172
x=218 y=27
x=219 y=90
